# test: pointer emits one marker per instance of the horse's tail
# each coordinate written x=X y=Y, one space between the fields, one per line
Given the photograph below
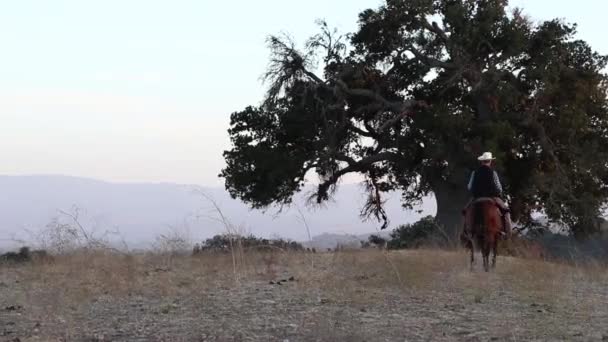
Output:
x=478 y=218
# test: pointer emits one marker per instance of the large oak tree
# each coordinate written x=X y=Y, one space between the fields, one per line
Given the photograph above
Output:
x=410 y=99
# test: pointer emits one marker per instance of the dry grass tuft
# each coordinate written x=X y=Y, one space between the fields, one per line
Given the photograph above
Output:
x=347 y=295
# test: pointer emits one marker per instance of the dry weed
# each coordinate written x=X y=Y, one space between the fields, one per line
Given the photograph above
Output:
x=339 y=299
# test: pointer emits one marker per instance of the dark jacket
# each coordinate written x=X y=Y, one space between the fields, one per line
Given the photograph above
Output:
x=484 y=182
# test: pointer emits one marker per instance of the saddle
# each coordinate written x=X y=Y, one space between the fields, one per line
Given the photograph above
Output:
x=469 y=218
x=478 y=200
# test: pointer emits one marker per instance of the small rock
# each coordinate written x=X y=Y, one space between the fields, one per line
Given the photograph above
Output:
x=292 y=278
x=271 y=282
x=99 y=338
x=604 y=337
x=363 y=310
x=13 y=308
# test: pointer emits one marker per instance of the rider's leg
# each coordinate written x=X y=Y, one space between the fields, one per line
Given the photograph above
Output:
x=508 y=224
x=506 y=216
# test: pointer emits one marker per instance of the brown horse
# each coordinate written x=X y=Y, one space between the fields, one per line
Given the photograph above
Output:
x=482 y=230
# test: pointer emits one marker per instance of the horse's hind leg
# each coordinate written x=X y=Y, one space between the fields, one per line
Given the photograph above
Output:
x=485 y=251
x=471 y=247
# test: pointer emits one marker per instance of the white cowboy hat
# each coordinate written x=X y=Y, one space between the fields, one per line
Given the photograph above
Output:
x=486 y=156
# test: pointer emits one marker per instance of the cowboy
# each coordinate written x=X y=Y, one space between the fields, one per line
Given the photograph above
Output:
x=484 y=182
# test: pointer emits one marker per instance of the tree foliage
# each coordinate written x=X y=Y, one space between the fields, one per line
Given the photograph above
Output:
x=414 y=95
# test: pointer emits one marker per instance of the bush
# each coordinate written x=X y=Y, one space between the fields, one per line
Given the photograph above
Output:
x=376 y=241
x=24 y=255
x=224 y=242
x=415 y=235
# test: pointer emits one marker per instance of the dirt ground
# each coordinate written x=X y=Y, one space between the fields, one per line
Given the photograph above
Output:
x=424 y=295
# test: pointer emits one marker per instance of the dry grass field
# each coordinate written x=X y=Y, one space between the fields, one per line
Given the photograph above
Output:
x=364 y=295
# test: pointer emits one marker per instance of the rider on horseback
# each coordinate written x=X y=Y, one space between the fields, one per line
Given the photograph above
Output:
x=484 y=182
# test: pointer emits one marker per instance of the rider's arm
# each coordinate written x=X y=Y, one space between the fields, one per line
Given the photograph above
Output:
x=497 y=183
x=470 y=185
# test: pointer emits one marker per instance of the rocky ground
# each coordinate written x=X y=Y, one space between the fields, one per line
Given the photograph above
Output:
x=372 y=295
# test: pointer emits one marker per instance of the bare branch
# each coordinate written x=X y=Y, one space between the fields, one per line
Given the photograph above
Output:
x=76 y=221
x=375 y=205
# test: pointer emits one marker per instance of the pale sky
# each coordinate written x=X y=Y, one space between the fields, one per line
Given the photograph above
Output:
x=142 y=90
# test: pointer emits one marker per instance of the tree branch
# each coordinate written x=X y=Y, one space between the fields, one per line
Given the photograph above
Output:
x=375 y=204
x=343 y=157
x=429 y=61
x=354 y=166
x=314 y=77
x=395 y=106
x=370 y=129
x=433 y=27
x=362 y=132
x=393 y=121
x=436 y=29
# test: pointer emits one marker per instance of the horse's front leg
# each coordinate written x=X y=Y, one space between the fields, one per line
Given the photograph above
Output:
x=494 y=253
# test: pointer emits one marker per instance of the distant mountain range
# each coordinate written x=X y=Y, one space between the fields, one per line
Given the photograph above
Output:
x=142 y=211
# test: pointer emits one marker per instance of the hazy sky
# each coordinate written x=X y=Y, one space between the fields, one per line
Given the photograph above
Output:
x=141 y=90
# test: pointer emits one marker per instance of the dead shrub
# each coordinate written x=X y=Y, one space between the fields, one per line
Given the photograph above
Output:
x=521 y=247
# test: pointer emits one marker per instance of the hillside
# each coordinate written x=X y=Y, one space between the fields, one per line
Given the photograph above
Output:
x=426 y=295
x=141 y=212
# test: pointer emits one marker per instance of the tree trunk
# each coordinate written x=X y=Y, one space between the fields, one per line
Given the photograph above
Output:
x=451 y=199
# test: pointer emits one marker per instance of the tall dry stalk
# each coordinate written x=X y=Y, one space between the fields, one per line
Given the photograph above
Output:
x=302 y=219
x=232 y=231
x=66 y=233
